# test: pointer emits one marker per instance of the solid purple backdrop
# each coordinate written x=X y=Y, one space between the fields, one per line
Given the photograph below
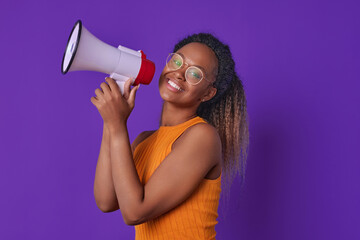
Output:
x=298 y=60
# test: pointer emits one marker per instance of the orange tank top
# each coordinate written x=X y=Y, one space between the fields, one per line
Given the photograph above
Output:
x=195 y=218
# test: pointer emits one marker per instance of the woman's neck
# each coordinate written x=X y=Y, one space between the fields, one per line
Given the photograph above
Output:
x=172 y=115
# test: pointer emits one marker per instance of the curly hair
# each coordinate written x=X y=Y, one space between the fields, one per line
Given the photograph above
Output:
x=227 y=110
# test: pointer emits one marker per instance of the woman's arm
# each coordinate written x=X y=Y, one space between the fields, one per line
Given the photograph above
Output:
x=196 y=152
x=104 y=191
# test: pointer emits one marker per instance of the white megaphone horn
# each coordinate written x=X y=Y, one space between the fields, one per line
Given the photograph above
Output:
x=85 y=52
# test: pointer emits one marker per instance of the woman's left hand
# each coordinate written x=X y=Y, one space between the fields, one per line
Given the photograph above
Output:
x=114 y=107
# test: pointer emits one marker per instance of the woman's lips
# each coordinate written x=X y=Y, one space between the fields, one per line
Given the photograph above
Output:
x=173 y=86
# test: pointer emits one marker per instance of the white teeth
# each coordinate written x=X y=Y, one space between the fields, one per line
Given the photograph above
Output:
x=174 y=85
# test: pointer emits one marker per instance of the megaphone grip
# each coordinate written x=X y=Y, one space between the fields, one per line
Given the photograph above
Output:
x=120 y=80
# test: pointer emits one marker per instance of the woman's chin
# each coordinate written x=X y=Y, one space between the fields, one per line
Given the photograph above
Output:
x=165 y=94
x=166 y=97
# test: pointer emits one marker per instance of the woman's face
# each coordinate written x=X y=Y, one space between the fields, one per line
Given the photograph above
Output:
x=194 y=54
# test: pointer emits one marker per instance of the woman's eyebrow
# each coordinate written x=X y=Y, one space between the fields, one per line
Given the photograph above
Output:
x=194 y=65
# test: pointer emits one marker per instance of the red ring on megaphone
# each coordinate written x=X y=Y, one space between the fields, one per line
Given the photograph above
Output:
x=146 y=72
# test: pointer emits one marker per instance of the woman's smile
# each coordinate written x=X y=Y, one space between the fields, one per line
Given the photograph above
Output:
x=173 y=85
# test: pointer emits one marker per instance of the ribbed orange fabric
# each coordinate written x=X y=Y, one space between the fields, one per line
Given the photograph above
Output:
x=195 y=218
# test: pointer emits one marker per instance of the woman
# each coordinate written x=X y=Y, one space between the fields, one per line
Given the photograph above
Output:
x=167 y=183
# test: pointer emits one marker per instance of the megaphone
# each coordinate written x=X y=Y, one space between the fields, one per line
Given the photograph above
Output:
x=85 y=52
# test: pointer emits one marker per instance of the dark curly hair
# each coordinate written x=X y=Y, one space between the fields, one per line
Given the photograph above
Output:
x=226 y=111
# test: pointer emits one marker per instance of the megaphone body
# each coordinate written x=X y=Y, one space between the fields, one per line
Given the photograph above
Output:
x=84 y=52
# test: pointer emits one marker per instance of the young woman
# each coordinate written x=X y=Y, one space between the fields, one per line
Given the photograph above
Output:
x=168 y=182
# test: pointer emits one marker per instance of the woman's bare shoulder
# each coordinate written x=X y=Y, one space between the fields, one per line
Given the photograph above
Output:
x=141 y=137
x=206 y=130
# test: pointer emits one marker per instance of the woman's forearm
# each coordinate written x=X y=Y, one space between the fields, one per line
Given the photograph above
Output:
x=129 y=190
x=104 y=191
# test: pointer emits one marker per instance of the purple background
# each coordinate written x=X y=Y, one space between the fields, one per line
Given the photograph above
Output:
x=299 y=61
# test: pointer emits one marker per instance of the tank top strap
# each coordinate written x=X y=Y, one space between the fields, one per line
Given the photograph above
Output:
x=171 y=133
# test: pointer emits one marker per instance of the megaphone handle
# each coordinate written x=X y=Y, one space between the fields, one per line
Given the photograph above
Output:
x=121 y=85
x=120 y=80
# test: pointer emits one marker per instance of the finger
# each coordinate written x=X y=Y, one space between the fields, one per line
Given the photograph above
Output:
x=112 y=84
x=105 y=88
x=98 y=92
x=94 y=101
x=127 y=88
x=133 y=95
x=100 y=96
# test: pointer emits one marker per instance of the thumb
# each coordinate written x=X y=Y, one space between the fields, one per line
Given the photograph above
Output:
x=132 y=96
x=127 y=88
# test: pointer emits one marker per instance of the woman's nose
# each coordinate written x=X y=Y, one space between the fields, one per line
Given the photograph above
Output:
x=180 y=73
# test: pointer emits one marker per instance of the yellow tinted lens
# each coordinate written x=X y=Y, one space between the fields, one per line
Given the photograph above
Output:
x=174 y=61
x=194 y=75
